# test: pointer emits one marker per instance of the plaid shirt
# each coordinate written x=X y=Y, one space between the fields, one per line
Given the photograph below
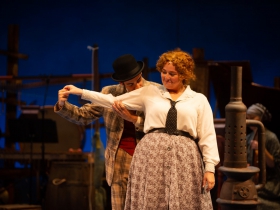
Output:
x=114 y=124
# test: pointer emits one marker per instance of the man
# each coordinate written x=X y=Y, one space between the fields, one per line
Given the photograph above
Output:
x=123 y=127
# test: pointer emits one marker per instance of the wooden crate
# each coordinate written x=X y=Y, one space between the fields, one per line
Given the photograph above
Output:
x=69 y=186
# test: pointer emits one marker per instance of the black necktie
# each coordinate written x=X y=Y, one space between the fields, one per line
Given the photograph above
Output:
x=171 y=120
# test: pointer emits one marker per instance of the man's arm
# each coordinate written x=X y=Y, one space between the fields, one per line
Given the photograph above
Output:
x=83 y=115
x=79 y=115
x=137 y=118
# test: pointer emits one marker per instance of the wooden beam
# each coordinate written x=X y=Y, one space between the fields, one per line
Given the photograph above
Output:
x=12 y=69
x=14 y=55
x=146 y=68
x=70 y=77
x=53 y=80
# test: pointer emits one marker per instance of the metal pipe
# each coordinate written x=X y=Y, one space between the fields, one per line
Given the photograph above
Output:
x=238 y=191
x=261 y=149
x=235 y=130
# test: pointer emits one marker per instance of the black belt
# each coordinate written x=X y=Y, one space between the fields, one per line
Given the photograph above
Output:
x=177 y=133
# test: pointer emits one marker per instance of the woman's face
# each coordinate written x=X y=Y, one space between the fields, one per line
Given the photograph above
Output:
x=170 y=77
x=253 y=117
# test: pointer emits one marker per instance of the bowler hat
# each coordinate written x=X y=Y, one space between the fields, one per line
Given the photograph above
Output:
x=126 y=68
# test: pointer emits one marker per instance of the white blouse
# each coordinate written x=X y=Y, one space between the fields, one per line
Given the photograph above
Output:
x=194 y=114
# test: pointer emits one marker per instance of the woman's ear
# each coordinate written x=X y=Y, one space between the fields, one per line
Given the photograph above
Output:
x=121 y=83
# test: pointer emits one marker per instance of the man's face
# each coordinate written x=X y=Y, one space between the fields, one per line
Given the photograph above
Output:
x=134 y=83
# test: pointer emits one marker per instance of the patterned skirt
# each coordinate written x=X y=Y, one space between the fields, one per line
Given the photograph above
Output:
x=166 y=173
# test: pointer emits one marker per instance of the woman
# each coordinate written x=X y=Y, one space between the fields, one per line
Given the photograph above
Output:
x=169 y=171
x=269 y=195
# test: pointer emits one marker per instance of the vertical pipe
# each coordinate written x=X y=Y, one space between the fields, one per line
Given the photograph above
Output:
x=261 y=149
x=96 y=78
x=235 y=130
x=236 y=84
x=238 y=191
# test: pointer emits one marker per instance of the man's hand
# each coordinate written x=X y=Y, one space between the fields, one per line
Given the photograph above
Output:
x=62 y=97
x=209 y=178
x=64 y=93
x=71 y=89
x=123 y=112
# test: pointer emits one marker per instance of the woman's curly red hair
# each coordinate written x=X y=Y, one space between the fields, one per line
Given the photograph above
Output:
x=183 y=62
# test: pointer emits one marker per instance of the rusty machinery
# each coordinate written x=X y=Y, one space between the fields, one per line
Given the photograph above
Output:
x=239 y=191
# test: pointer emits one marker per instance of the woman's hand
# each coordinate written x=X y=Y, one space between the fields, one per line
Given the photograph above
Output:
x=254 y=144
x=209 y=178
x=71 y=89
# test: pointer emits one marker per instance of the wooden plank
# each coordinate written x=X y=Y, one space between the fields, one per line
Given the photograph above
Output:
x=20 y=206
x=14 y=55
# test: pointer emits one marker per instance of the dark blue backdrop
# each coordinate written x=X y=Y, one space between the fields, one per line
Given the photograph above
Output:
x=55 y=36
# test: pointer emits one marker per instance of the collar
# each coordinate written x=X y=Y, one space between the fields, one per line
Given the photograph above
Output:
x=188 y=93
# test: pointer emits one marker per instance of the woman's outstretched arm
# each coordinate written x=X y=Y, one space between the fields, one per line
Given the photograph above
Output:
x=131 y=100
x=71 y=89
